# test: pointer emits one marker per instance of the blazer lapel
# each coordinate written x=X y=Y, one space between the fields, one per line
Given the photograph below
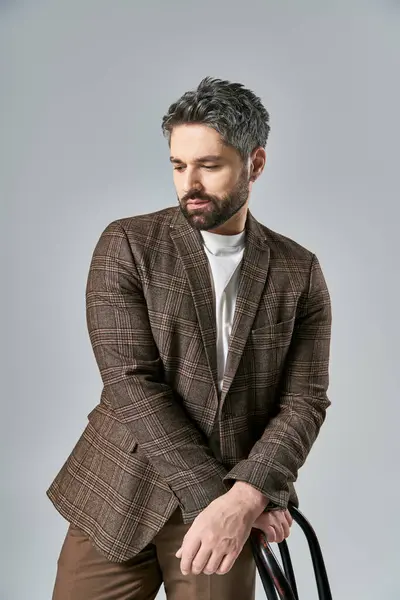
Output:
x=189 y=245
x=253 y=275
x=252 y=281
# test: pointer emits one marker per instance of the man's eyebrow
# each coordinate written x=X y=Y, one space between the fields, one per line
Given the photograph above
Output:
x=201 y=159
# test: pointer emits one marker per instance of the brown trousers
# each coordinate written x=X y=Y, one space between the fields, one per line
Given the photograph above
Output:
x=85 y=574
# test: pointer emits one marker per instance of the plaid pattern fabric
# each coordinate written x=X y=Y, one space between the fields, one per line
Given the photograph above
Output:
x=149 y=445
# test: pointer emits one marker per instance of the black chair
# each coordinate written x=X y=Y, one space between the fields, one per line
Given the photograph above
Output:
x=280 y=583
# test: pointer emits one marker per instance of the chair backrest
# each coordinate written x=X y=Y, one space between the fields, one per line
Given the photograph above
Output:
x=280 y=583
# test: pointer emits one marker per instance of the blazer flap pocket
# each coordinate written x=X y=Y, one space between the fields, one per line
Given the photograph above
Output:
x=111 y=430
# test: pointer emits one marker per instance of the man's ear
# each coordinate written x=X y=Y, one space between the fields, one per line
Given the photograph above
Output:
x=257 y=163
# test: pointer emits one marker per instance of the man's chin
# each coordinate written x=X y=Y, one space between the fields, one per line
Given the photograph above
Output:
x=199 y=221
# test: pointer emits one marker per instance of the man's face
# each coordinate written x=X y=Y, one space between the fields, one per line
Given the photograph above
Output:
x=211 y=181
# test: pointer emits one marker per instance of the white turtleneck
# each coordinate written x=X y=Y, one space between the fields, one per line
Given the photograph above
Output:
x=224 y=253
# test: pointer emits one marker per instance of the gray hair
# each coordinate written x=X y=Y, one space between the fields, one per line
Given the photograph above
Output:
x=235 y=112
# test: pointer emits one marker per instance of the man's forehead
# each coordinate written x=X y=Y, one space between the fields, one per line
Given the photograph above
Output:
x=196 y=143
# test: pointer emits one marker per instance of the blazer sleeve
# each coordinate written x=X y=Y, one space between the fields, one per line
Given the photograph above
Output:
x=276 y=457
x=131 y=371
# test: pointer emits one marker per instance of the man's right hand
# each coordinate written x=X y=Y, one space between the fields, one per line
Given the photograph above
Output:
x=275 y=525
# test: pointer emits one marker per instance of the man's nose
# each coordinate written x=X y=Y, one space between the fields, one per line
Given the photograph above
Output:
x=192 y=182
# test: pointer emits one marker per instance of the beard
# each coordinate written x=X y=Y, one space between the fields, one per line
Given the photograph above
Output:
x=219 y=210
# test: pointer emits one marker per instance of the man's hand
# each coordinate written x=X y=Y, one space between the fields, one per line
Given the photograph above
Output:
x=275 y=525
x=218 y=534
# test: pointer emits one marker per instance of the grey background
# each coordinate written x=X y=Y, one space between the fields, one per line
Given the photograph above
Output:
x=83 y=88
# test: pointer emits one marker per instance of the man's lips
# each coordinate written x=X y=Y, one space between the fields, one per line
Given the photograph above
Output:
x=197 y=202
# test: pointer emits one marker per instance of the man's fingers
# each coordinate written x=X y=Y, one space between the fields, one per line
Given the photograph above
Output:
x=214 y=563
x=286 y=528
x=189 y=551
x=280 y=534
x=226 y=564
x=270 y=533
x=200 y=560
x=289 y=517
x=275 y=529
x=276 y=525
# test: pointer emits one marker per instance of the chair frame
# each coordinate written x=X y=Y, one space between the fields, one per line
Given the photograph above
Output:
x=281 y=584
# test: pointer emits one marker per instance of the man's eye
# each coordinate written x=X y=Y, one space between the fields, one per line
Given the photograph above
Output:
x=208 y=167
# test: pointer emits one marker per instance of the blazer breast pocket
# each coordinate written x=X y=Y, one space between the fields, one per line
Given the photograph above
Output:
x=268 y=347
x=275 y=334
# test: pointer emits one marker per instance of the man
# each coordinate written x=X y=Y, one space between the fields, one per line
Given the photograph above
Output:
x=211 y=333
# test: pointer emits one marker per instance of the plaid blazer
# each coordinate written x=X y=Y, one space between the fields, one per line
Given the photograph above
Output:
x=162 y=436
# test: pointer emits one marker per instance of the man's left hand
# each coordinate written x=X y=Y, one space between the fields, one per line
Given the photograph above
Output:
x=218 y=534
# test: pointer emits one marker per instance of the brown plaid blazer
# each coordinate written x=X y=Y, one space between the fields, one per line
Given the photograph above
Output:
x=162 y=436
